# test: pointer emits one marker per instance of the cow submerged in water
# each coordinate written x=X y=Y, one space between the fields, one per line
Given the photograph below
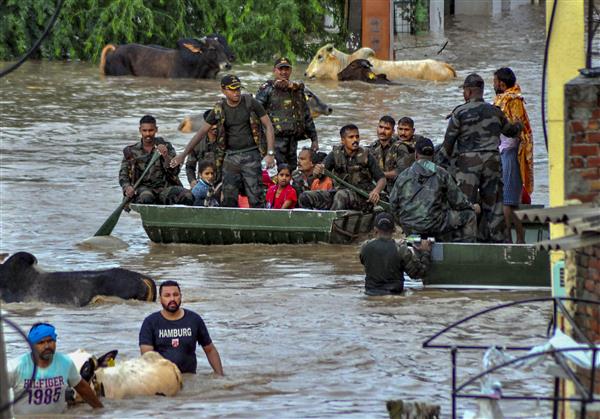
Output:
x=328 y=62
x=148 y=375
x=193 y=58
x=22 y=280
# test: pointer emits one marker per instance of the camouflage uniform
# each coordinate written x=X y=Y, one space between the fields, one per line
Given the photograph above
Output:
x=360 y=169
x=291 y=118
x=473 y=135
x=427 y=201
x=204 y=150
x=161 y=184
x=300 y=183
x=398 y=155
x=241 y=169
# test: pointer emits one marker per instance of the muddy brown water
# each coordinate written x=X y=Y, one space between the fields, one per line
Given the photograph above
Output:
x=297 y=336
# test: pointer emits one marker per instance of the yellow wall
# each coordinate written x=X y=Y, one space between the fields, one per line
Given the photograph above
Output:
x=566 y=55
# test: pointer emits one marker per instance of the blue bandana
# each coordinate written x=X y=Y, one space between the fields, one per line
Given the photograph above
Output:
x=40 y=332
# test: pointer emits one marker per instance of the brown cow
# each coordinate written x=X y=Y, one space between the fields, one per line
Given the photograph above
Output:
x=328 y=62
x=361 y=70
x=193 y=58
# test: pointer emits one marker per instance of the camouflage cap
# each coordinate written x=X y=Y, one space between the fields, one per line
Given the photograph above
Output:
x=473 y=80
x=384 y=222
x=282 y=62
x=424 y=147
x=231 y=82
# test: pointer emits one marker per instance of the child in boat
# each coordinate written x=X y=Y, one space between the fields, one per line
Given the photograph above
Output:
x=282 y=195
x=204 y=191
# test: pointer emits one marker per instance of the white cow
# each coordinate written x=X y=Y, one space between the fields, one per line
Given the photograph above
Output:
x=147 y=375
x=329 y=61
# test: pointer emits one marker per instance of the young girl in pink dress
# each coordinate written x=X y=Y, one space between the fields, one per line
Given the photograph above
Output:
x=282 y=195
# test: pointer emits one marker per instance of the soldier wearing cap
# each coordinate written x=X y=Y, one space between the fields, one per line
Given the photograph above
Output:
x=55 y=372
x=386 y=260
x=285 y=103
x=427 y=201
x=240 y=143
x=473 y=134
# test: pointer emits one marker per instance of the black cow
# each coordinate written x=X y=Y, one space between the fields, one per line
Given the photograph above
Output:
x=361 y=70
x=21 y=280
x=191 y=123
x=193 y=58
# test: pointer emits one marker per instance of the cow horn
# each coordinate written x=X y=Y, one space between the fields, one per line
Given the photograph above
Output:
x=202 y=40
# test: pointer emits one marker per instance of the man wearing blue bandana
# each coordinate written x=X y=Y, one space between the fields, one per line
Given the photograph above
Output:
x=54 y=373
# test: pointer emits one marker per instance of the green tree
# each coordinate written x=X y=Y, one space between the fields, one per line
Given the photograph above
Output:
x=255 y=29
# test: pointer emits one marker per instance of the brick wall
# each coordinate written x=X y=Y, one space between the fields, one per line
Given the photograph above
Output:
x=582 y=181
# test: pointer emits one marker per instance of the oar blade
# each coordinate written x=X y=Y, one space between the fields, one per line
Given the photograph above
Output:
x=110 y=223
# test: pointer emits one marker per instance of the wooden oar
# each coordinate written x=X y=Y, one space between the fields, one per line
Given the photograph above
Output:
x=385 y=205
x=110 y=223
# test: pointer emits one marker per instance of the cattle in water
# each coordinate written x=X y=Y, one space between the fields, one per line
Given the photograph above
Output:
x=148 y=375
x=191 y=123
x=22 y=280
x=329 y=61
x=193 y=58
x=361 y=70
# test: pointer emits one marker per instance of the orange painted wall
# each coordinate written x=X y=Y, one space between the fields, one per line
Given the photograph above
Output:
x=376 y=27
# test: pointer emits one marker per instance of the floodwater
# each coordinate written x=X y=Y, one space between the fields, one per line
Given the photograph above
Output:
x=297 y=336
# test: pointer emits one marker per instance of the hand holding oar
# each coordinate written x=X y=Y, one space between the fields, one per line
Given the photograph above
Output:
x=110 y=223
x=385 y=205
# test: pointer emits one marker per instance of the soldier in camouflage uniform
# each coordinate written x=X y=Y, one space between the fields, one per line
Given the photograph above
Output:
x=353 y=164
x=406 y=143
x=205 y=150
x=427 y=201
x=240 y=144
x=161 y=184
x=474 y=133
x=285 y=102
x=385 y=150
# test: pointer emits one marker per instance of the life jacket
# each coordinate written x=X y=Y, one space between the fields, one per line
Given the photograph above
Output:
x=255 y=125
x=286 y=110
x=353 y=169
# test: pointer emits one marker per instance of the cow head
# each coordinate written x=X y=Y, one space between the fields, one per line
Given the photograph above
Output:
x=205 y=57
x=357 y=70
x=88 y=365
x=317 y=106
x=326 y=63
x=16 y=272
x=223 y=42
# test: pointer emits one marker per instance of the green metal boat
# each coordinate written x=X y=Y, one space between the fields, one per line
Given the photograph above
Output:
x=454 y=265
x=206 y=225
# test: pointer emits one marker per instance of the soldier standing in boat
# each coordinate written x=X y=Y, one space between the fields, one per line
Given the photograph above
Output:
x=285 y=103
x=353 y=164
x=474 y=130
x=161 y=184
x=240 y=144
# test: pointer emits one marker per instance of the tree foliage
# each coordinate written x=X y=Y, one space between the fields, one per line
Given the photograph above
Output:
x=255 y=29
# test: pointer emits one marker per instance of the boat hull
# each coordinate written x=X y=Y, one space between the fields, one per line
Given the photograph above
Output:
x=484 y=265
x=204 y=225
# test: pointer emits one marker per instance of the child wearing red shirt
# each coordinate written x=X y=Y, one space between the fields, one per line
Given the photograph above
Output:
x=282 y=195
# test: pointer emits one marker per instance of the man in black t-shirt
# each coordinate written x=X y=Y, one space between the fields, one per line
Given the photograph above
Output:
x=173 y=332
x=239 y=146
x=386 y=260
